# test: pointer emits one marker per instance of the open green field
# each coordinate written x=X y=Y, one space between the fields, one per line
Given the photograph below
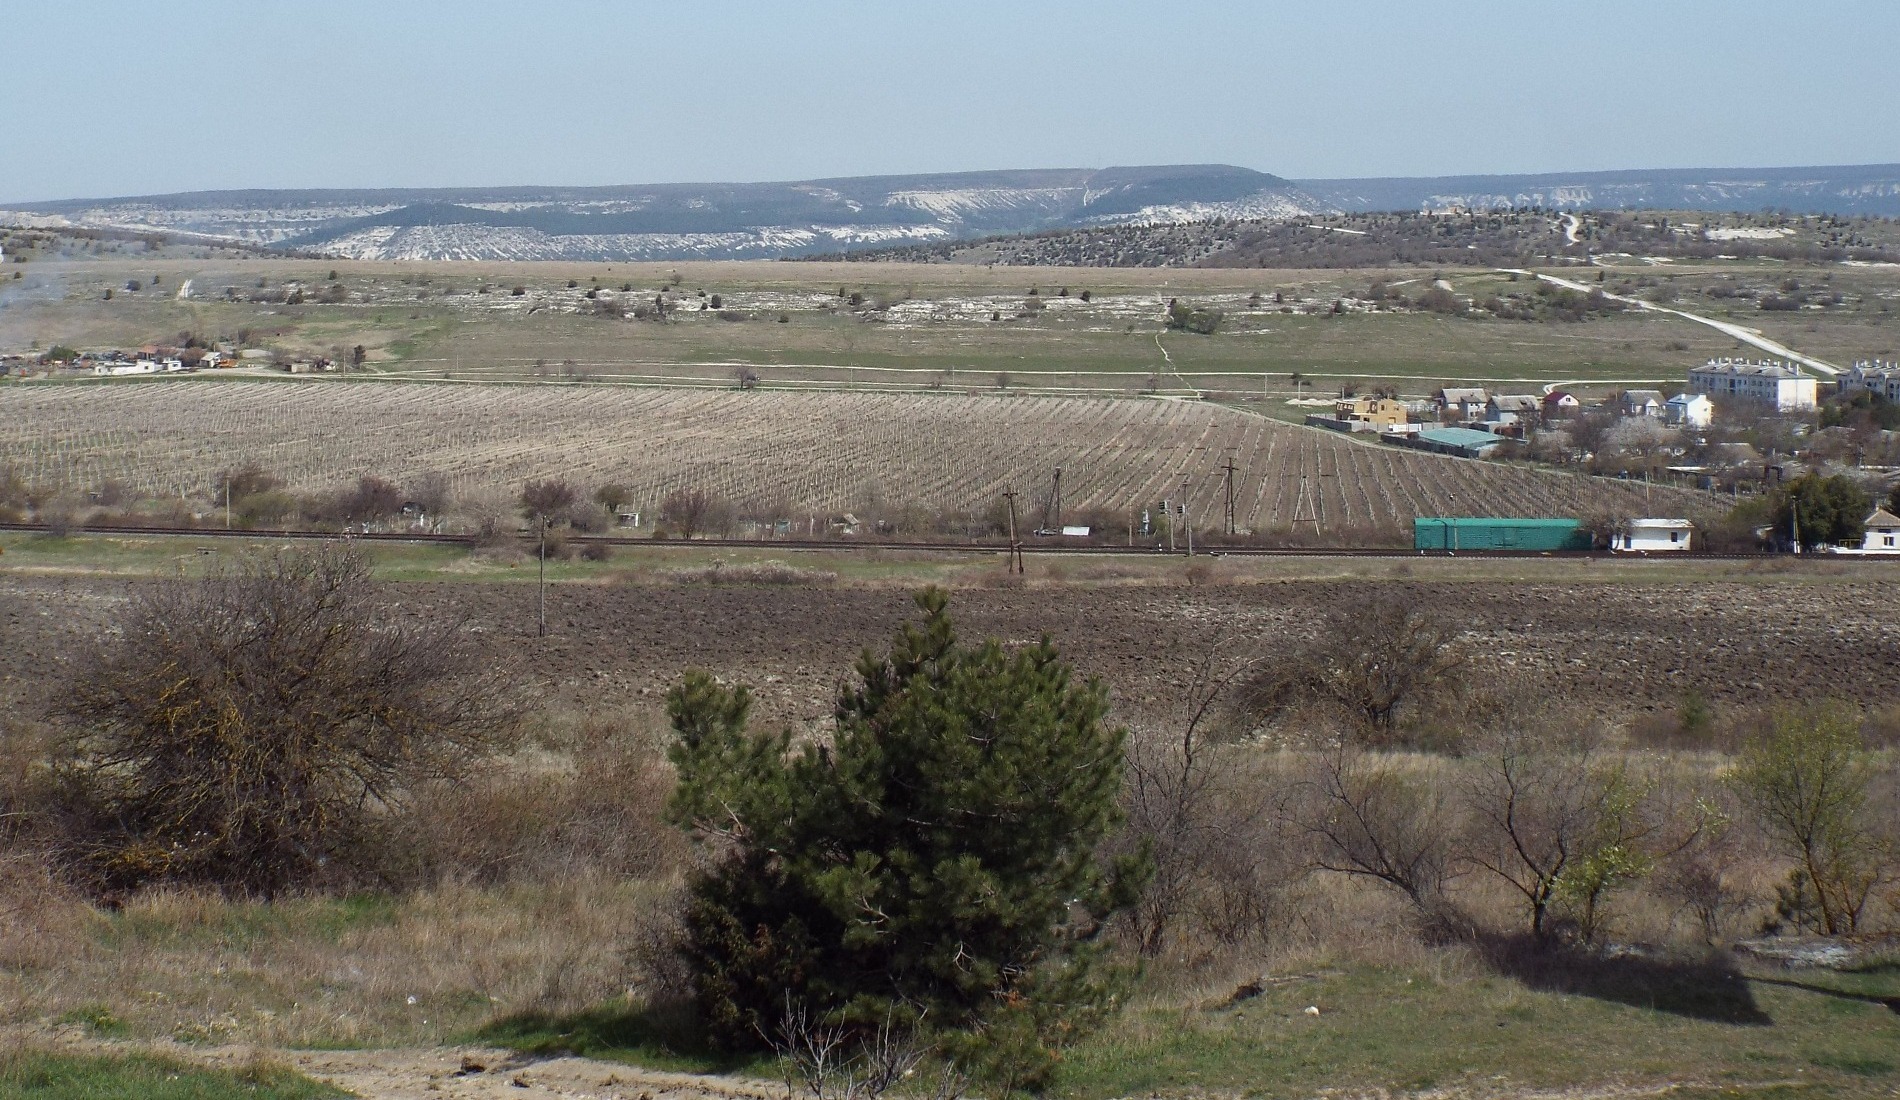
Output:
x=932 y=326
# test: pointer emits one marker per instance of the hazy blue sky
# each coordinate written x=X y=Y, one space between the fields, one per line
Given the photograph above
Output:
x=146 y=97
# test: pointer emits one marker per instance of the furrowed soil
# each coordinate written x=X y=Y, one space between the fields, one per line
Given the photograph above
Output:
x=1616 y=648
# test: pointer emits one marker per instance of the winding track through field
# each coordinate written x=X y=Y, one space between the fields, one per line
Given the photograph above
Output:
x=1729 y=328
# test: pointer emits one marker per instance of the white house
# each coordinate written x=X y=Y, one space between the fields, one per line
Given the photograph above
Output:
x=1644 y=536
x=1881 y=537
x=1689 y=410
x=1560 y=403
x=1769 y=380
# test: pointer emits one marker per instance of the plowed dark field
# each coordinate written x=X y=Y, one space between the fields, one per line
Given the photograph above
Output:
x=1615 y=649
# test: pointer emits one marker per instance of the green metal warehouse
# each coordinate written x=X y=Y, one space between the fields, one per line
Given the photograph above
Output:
x=1481 y=533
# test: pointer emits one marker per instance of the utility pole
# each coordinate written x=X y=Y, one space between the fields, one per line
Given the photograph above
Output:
x=541 y=591
x=1167 y=513
x=1187 y=519
x=227 y=500
x=1229 y=486
x=1015 y=564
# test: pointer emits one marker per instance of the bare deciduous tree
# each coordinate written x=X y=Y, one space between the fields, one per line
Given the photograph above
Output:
x=613 y=496
x=1183 y=807
x=433 y=492
x=1368 y=819
x=693 y=512
x=547 y=500
x=1562 y=825
x=372 y=499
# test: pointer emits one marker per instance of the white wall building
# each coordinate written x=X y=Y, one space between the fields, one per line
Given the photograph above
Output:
x=1768 y=380
x=1689 y=410
x=1644 y=536
x=1876 y=376
x=1882 y=536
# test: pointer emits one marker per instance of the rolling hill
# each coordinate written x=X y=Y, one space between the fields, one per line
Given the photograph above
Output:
x=769 y=220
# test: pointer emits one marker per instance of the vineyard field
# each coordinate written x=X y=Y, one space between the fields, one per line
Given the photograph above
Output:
x=778 y=454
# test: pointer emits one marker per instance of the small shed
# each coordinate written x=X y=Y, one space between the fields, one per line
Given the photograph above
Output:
x=1643 y=536
x=1489 y=533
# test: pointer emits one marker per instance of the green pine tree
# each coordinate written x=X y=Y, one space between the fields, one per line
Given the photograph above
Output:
x=934 y=865
x=1825 y=510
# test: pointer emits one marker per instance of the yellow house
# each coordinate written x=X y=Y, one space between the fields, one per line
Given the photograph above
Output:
x=1378 y=412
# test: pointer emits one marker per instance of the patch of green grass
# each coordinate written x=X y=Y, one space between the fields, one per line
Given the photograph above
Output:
x=1855 y=1064
x=1398 y=1029
x=46 y=1076
x=97 y=1019
x=663 y=1038
x=240 y=923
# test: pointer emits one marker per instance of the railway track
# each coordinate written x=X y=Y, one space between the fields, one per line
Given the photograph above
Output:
x=1028 y=547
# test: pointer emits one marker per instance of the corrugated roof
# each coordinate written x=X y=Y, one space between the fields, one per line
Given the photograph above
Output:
x=1459 y=437
x=1492 y=521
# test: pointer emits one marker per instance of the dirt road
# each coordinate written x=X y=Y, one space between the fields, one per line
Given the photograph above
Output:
x=1745 y=335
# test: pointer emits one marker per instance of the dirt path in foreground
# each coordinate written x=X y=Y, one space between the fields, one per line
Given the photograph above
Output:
x=474 y=1073
x=429 y=1073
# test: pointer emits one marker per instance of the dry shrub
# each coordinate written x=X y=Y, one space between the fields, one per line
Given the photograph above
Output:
x=43 y=921
x=764 y=572
x=1097 y=573
x=1200 y=572
x=588 y=801
x=246 y=727
x=1392 y=673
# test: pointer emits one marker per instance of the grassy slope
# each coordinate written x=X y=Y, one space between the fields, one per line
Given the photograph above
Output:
x=1409 y=1029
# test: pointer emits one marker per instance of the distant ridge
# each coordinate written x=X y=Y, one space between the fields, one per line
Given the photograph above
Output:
x=771 y=220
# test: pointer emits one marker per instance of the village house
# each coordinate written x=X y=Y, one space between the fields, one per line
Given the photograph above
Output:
x=1364 y=414
x=1689 y=410
x=1770 y=381
x=1642 y=403
x=1643 y=536
x=1512 y=408
x=1560 y=404
x=1462 y=404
